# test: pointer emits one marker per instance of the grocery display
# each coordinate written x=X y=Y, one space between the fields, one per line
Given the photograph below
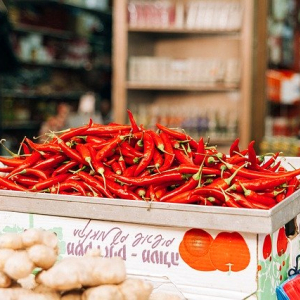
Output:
x=187 y=188
x=135 y=163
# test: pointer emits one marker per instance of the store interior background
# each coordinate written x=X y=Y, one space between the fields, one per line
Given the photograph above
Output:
x=71 y=60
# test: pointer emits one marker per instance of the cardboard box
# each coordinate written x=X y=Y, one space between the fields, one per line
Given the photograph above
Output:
x=194 y=251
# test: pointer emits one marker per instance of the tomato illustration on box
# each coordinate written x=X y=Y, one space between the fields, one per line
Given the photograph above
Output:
x=228 y=252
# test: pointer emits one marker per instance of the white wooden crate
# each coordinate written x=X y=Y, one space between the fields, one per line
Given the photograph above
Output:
x=149 y=238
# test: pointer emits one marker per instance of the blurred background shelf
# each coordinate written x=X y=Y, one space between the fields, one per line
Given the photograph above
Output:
x=62 y=51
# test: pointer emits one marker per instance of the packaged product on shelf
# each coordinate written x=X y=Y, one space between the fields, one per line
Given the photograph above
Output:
x=213 y=15
x=152 y=14
x=283 y=86
x=162 y=70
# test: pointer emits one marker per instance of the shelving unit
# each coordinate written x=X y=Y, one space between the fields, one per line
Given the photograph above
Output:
x=283 y=79
x=178 y=43
x=78 y=77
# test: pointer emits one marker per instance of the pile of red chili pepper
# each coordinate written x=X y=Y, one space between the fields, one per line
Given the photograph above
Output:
x=134 y=163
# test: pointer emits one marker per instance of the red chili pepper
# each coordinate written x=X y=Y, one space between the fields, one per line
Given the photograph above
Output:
x=259 y=184
x=210 y=160
x=28 y=162
x=152 y=194
x=30 y=171
x=104 y=130
x=90 y=191
x=272 y=193
x=231 y=202
x=111 y=146
x=65 y=167
x=10 y=185
x=234 y=148
x=275 y=167
x=71 y=132
x=129 y=171
x=175 y=144
x=157 y=159
x=151 y=179
x=71 y=153
x=258 y=199
x=27 y=181
x=42 y=185
x=242 y=200
x=252 y=156
x=50 y=162
x=131 y=160
x=148 y=154
x=214 y=201
x=188 y=169
x=139 y=145
x=157 y=140
x=128 y=154
x=116 y=167
x=127 y=150
x=98 y=165
x=223 y=183
x=95 y=139
x=183 y=198
x=160 y=191
x=122 y=164
x=140 y=191
x=98 y=146
x=270 y=161
x=182 y=158
x=200 y=152
x=168 y=154
x=178 y=135
x=291 y=188
x=209 y=192
x=46 y=147
x=252 y=174
x=25 y=148
x=119 y=190
x=95 y=183
x=75 y=140
x=6 y=169
x=203 y=200
x=12 y=162
x=259 y=205
x=135 y=127
x=69 y=185
x=238 y=158
x=85 y=153
x=136 y=136
x=190 y=185
x=280 y=197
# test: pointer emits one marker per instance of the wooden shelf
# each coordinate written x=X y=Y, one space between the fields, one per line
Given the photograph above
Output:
x=56 y=65
x=64 y=65
x=106 y=15
x=239 y=101
x=36 y=95
x=174 y=30
x=21 y=125
x=205 y=87
x=56 y=33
